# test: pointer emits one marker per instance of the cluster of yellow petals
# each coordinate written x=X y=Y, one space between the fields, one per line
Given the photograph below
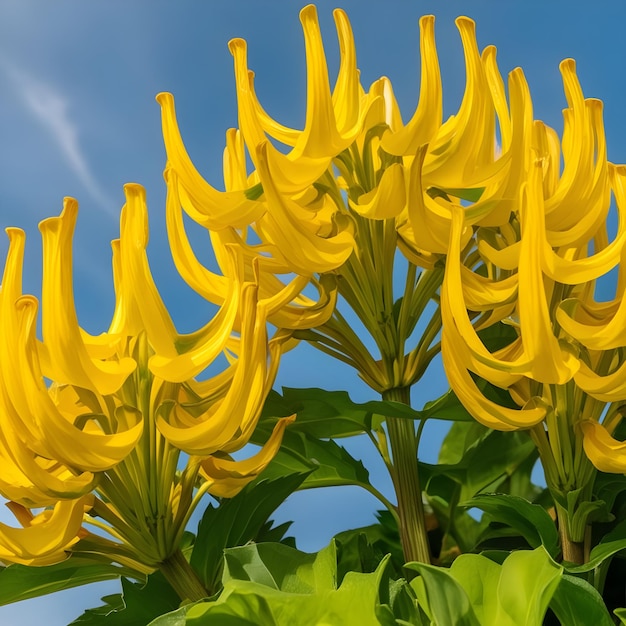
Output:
x=538 y=273
x=92 y=428
x=523 y=238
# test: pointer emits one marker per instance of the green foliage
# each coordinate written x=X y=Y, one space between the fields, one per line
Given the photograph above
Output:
x=237 y=521
x=478 y=592
x=328 y=463
x=576 y=603
x=474 y=459
x=20 y=582
x=531 y=521
x=274 y=585
x=137 y=604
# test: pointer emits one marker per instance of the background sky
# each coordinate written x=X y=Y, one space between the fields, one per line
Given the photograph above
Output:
x=78 y=118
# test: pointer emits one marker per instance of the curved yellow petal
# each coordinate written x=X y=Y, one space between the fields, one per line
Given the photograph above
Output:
x=222 y=421
x=387 y=199
x=307 y=252
x=426 y=119
x=483 y=410
x=229 y=477
x=69 y=358
x=206 y=205
x=48 y=536
x=89 y=451
x=606 y=454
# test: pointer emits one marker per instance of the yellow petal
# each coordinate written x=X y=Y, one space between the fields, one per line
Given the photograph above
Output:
x=427 y=116
x=207 y=206
x=230 y=477
x=47 y=538
x=481 y=408
x=222 y=421
x=307 y=252
x=69 y=358
x=606 y=454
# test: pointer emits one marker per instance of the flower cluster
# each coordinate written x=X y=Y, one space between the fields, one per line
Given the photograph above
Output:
x=501 y=222
x=112 y=435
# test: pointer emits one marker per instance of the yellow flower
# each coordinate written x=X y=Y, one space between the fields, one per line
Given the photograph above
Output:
x=94 y=446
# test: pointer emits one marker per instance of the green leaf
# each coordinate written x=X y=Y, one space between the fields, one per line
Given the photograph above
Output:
x=331 y=463
x=447 y=407
x=531 y=521
x=461 y=437
x=332 y=414
x=516 y=593
x=137 y=604
x=479 y=577
x=20 y=582
x=236 y=521
x=527 y=583
x=301 y=590
x=283 y=568
x=497 y=336
x=576 y=603
x=471 y=195
x=447 y=601
x=621 y=613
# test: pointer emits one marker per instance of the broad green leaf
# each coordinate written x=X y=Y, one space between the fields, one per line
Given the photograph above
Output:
x=516 y=593
x=460 y=437
x=282 y=568
x=477 y=591
x=621 y=614
x=236 y=521
x=607 y=487
x=332 y=464
x=479 y=578
x=528 y=581
x=447 y=601
x=137 y=604
x=251 y=603
x=447 y=407
x=332 y=414
x=20 y=582
x=576 y=603
x=531 y=521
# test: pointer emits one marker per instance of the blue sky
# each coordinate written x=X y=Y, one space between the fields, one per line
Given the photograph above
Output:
x=78 y=117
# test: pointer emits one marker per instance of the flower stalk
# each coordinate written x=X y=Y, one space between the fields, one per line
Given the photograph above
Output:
x=405 y=475
x=183 y=578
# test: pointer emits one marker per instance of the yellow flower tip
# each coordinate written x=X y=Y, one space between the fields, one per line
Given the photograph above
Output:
x=567 y=65
x=228 y=477
x=237 y=46
x=15 y=234
x=164 y=98
x=341 y=17
x=68 y=214
x=595 y=105
x=309 y=12
x=466 y=25
x=427 y=22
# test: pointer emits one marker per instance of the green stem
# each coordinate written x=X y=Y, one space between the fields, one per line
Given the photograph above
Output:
x=183 y=578
x=573 y=551
x=405 y=475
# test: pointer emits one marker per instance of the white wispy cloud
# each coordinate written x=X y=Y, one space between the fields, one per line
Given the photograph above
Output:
x=52 y=109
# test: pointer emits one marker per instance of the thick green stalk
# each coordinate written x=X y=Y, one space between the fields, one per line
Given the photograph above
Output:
x=183 y=578
x=405 y=475
x=573 y=551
